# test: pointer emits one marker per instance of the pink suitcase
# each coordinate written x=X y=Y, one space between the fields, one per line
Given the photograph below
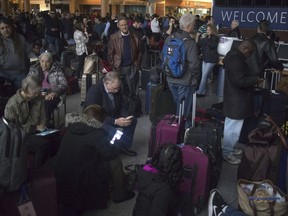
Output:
x=197 y=175
x=170 y=129
x=41 y=188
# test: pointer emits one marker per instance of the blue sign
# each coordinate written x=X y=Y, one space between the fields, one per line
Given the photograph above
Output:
x=249 y=17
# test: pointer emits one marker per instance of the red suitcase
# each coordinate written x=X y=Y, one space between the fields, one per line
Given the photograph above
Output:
x=197 y=175
x=41 y=189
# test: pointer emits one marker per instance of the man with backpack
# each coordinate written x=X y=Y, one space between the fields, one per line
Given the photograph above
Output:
x=181 y=64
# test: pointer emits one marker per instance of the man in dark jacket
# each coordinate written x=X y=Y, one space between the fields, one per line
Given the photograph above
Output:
x=107 y=94
x=266 y=55
x=238 y=103
x=235 y=31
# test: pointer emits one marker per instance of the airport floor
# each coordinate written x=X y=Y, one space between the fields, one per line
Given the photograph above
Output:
x=226 y=185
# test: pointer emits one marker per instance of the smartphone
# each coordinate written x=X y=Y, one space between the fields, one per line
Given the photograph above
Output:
x=129 y=117
x=117 y=136
x=47 y=132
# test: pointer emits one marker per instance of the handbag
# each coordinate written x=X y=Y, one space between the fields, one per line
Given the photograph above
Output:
x=90 y=64
x=132 y=171
x=261 y=198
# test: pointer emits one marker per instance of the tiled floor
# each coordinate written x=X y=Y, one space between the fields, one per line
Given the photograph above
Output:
x=227 y=183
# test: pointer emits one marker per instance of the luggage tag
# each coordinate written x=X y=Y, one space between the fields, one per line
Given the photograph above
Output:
x=25 y=206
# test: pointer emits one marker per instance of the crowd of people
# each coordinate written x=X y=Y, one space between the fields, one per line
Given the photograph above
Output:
x=85 y=146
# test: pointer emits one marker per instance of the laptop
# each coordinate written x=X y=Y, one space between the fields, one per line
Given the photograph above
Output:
x=283 y=54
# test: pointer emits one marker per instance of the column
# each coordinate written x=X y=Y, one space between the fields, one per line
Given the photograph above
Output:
x=27 y=5
x=4 y=5
x=73 y=6
x=104 y=7
x=20 y=5
x=152 y=8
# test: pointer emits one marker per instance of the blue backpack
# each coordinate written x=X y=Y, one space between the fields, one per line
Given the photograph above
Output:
x=173 y=55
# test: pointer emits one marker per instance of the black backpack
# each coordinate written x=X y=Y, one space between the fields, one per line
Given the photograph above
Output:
x=13 y=156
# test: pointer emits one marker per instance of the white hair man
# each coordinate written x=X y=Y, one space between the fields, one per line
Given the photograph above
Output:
x=185 y=86
x=235 y=31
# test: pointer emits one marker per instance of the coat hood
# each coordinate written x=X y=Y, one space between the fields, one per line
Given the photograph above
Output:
x=72 y=118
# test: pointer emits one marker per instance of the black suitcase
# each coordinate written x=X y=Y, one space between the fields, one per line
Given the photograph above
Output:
x=161 y=102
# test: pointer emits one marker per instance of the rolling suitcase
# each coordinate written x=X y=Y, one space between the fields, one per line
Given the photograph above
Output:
x=72 y=85
x=202 y=160
x=86 y=82
x=196 y=176
x=149 y=87
x=169 y=129
x=41 y=188
x=162 y=102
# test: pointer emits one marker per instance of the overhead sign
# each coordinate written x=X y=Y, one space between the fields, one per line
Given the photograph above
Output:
x=249 y=17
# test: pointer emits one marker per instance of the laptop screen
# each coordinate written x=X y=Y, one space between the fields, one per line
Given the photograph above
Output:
x=236 y=43
x=283 y=52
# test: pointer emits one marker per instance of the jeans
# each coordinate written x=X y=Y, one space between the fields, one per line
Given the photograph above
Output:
x=180 y=93
x=128 y=132
x=232 y=130
x=80 y=66
x=55 y=42
x=127 y=74
x=16 y=79
x=206 y=70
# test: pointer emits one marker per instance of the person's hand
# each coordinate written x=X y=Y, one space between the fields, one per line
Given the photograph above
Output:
x=50 y=96
x=123 y=122
x=40 y=127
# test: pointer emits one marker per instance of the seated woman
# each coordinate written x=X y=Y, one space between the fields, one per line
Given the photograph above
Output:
x=54 y=83
x=85 y=163
x=26 y=109
x=158 y=183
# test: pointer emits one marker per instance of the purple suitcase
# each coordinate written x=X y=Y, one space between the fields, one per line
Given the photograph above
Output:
x=196 y=178
x=169 y=129
x=41 y=190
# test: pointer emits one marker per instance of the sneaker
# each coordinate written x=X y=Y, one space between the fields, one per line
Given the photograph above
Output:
x=238 y=152
x=230 y=158
x=216 y=203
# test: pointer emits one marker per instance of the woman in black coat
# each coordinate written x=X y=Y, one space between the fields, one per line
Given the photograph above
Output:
x=209 y=56
x=158 y=183
x=85 y=163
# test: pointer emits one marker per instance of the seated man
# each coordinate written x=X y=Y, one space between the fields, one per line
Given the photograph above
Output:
x=54 y=83
x=85 y=162
x=106 y=93
x=26 y=109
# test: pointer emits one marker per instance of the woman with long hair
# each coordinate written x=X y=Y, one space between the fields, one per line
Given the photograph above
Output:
x=81 y=38
x=210 y=56
x=158 y=183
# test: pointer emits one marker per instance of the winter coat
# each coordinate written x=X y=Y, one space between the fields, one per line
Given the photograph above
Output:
x=25 y=114
x=154 y=198
x=81 y=166
x=235 y=33
x=116 y=49
x=98 y=95
x=264 y=57
x=238 y=86
x=191 y=67
x=56 y=77
x=209 y=49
